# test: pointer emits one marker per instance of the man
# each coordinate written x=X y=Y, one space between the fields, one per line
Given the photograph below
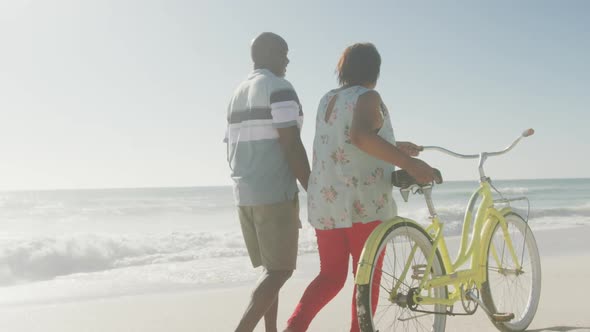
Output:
x=266 y=157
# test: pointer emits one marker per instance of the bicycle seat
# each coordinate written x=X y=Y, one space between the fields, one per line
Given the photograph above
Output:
x=403 y=180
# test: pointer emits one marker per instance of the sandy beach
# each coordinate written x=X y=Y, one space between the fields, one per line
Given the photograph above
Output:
x=565 y=254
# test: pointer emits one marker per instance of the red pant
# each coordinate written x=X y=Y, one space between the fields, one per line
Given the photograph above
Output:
x=335 y=246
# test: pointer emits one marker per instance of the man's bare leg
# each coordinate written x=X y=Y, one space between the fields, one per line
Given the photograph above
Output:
x=270 y=317
x=264 y=297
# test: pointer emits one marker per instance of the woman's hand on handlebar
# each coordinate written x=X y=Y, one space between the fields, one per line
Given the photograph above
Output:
x=409 y=148
x=422 y=172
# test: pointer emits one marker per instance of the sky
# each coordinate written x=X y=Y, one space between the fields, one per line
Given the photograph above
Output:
x=133 y=93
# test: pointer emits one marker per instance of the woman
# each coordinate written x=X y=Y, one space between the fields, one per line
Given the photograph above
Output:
x=349 y=192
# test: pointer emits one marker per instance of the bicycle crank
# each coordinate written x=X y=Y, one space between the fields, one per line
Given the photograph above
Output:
x=497 y=317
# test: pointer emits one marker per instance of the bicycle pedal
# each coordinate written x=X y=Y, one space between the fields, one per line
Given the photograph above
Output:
x=502 y=317
x=419 y=267
x=418 y=271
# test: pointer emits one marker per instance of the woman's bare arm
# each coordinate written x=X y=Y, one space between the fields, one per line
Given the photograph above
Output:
x=366 y=119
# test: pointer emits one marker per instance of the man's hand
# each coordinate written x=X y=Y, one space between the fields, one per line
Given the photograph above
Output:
x=409 y=148
x=291 y=144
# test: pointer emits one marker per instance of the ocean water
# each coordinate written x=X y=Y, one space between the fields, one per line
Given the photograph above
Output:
x=67 y=245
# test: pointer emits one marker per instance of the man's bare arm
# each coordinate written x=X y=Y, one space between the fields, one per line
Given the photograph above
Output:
x=291 y=144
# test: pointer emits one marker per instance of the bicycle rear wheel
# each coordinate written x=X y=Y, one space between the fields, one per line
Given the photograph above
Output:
x=510 y=288
x=396 y=312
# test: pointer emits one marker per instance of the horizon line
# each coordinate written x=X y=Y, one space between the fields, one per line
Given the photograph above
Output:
x=229 y=185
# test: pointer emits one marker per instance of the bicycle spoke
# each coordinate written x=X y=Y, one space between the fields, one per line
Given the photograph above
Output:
x=402 y=253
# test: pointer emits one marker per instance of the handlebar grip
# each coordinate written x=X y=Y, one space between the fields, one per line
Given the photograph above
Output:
x=528 y=132
x=438 y=176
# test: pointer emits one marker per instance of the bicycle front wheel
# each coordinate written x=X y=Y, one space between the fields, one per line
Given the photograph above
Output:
x=404 y=251
x=513 y=276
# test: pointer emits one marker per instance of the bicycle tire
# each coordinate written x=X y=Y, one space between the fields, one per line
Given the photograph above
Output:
x=502 y=290
x=370 y=321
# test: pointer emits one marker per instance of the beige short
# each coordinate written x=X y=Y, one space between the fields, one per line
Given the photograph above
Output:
x=271 y=233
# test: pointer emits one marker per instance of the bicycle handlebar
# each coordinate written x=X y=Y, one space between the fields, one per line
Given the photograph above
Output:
x=525 y=133
x=483 y=156
x=528 y=132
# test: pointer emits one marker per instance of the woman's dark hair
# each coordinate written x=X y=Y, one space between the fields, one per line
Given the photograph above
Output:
x=359 y=64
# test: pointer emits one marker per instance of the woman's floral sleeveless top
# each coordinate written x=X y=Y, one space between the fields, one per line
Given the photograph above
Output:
x=347 y=185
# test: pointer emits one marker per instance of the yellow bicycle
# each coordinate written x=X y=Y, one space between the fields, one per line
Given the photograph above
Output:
x=416 y=284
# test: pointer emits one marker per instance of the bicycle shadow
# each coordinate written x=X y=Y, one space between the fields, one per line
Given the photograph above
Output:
x=561 y=329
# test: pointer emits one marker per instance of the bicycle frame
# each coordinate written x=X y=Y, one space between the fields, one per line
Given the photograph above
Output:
x=476 y=251
x=487 y=217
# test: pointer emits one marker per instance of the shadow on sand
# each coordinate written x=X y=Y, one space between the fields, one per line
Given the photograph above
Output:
x=561 y=329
